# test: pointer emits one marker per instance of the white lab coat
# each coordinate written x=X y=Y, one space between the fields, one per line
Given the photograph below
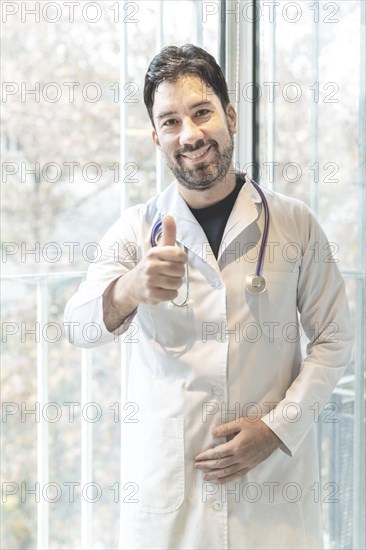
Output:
x=228 y=354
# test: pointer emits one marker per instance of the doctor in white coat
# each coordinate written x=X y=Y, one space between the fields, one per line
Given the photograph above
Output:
x=224 y=453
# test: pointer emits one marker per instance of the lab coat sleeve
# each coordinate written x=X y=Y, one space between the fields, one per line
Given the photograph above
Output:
x=83 y=318
x=324 y=316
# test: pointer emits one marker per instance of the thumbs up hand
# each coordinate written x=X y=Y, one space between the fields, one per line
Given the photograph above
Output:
x=160 y=274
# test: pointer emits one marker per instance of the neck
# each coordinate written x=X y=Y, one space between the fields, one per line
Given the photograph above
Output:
x=208 y=197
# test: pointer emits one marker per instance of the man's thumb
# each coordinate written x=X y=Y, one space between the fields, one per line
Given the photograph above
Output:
x=169 y=231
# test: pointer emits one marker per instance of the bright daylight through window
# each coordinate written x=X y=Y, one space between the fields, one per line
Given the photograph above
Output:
x=77 y=151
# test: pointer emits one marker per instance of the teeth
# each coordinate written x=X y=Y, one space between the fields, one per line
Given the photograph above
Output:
x=196 y=155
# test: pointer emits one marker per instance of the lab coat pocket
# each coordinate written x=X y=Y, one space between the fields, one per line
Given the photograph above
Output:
x=278 y=306
x=175 y=327
x=161 y=464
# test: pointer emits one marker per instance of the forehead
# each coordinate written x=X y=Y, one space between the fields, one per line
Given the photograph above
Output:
x=182 y=93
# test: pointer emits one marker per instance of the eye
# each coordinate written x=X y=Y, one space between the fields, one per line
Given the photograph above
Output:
x=203 y=112
x=170 y=122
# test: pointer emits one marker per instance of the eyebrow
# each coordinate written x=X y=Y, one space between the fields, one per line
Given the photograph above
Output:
x=194 y=106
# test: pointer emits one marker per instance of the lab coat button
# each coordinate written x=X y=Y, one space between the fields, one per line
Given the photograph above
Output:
x=217 y=390
x=217 y=283
x=217 y=505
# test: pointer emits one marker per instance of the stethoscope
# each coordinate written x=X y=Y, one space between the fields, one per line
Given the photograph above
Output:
x=255 y=283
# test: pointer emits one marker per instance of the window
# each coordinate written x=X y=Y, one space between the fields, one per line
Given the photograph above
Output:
x=301 y=83
x=77 y=149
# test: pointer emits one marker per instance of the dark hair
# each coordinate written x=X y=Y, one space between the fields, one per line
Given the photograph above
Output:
x=173 y=62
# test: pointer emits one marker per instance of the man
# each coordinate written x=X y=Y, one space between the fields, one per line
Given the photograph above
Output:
x=224 y=452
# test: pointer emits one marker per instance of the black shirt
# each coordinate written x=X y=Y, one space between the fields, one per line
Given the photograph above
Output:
x=213 y=218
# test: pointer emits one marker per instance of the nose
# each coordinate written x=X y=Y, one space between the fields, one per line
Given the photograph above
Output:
x=190 y=133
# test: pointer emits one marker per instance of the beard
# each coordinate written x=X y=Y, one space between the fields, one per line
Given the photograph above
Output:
x=207 y=173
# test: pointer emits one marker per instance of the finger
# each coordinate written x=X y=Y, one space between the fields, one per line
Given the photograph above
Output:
x=162 y=258
x=173 y=267
x=228 y=428
x=169 y=231
x=221 y=451
x=171 y=256
x=158 y=295
x=216 y=475
x=215 y=464
x=161 y=268
x=236 y=475
x=168 y=283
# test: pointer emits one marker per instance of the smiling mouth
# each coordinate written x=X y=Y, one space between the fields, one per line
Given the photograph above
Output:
x=198 y=154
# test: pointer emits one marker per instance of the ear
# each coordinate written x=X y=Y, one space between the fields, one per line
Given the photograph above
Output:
x=156 y=139
x=231 y=117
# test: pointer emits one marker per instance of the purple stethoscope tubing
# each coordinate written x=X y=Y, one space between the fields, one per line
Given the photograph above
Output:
x=155 y=232
x=265 y=230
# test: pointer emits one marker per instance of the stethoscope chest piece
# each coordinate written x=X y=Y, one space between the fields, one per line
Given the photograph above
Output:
x=256 y=284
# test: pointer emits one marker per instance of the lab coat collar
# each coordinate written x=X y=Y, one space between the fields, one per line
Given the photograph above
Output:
x=245 y=211
x=190 y=233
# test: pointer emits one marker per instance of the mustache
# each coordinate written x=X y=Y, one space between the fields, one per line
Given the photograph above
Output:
x=198 y=145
